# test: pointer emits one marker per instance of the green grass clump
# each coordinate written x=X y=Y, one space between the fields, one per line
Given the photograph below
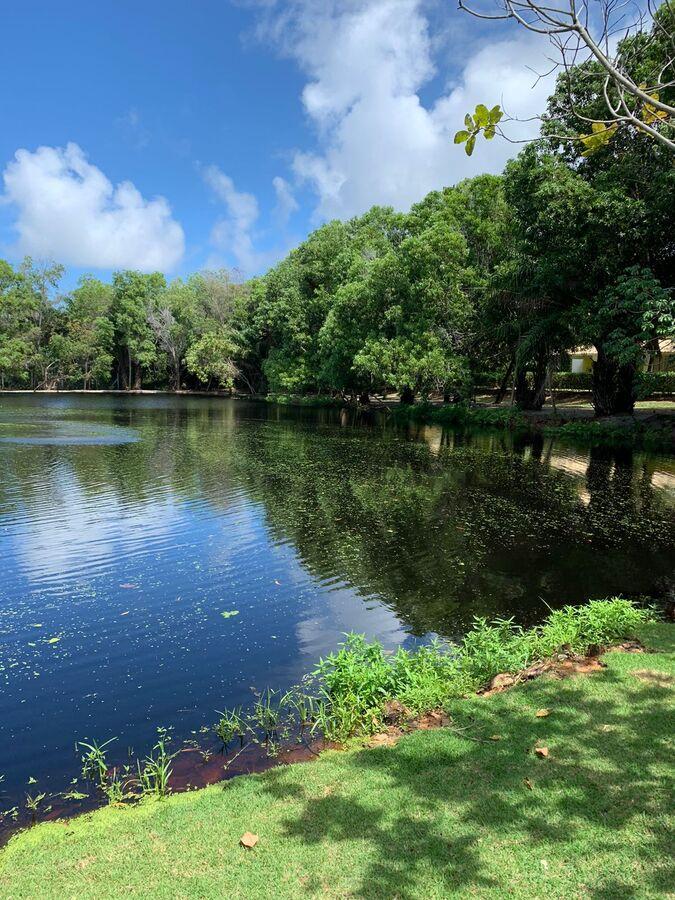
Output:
x=631 y=434
x=447 y=813
x=360 y=677
x=460 y=414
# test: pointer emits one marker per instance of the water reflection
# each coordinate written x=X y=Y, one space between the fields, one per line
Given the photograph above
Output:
x=120 y=553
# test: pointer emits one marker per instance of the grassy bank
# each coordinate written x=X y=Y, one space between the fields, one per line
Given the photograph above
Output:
x=459 y=811
x=655 y=433
x=624 y=431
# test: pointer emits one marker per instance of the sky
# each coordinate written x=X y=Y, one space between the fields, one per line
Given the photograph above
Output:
x=177 y=136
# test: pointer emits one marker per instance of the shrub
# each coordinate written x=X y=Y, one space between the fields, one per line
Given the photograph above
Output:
x=346 y=694
x=357 y=681
x=597 y=624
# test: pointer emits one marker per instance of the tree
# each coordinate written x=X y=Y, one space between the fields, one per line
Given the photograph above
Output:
x=636 y=74
x=210 y=358
x=172 y=317
x=133 y=296
x=87 y=344
x=620 y=320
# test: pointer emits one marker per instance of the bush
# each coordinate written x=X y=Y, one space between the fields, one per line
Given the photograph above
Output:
x=357 y=681
x=615 y=434
x=650 y=383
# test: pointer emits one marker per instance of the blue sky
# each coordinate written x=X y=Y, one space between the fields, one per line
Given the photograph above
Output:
x=254 y=122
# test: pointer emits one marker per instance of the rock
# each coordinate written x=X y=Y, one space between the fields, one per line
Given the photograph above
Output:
x=395 y=712
x=501 y=681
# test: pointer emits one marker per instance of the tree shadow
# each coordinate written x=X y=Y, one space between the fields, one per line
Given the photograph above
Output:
x=445 y=801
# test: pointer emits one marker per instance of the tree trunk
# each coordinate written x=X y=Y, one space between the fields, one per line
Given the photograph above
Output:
x=122 y=381
x=407 y=396
x=501 y=393
x=613 y=386
x=137 y=376
x=532 y=396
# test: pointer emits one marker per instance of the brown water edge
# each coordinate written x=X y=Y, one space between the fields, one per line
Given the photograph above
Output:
x=192 y=768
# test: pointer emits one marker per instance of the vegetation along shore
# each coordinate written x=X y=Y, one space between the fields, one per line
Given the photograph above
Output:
x=541 y=783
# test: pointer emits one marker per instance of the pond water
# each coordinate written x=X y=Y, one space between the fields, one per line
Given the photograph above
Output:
x=130 y=525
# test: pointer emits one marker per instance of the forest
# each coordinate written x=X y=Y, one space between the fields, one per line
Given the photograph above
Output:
x=571 y=245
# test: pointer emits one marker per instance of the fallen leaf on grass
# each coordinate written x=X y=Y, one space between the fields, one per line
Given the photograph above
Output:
x=541 y=752
x=542 y=713
x=495 y=737
x=528 y=784
x=248 y=840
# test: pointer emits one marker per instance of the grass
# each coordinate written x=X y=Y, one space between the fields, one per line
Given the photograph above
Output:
x=444 y=813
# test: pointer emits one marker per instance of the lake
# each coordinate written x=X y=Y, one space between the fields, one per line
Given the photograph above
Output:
x=130 y=525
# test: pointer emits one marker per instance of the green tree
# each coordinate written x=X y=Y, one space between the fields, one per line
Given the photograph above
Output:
x=87 y=345
x=210 y=359
x=134 y=294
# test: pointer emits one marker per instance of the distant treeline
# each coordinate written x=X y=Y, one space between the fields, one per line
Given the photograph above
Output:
x=498 y=273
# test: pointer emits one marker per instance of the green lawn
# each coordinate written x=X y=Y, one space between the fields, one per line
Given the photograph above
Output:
x=437 y=815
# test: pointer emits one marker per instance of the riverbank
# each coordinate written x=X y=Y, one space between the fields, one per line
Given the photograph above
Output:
x=472 y=808
x=652 y=425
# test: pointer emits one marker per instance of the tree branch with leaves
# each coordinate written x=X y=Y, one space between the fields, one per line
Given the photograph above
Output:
x=616 y=35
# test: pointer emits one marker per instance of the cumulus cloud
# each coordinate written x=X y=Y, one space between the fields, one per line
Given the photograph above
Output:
x=286 y=202
x=232 y=233
x=67 y=209
x=367 y=62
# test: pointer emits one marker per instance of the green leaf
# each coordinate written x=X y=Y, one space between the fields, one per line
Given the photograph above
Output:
x=495 y=114
x=482 y=116
x=461 y=136
x=489 y=132
x=470 y=144
x=229 y=613
x=468 y=121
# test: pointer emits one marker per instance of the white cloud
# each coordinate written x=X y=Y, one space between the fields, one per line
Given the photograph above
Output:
x=366 y=62
x=231 y=234
x=286 y=202
x=67 y=209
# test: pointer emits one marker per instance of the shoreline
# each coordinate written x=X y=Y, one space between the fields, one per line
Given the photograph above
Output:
x=241 y=744
x=649 y=427
x=536 y=772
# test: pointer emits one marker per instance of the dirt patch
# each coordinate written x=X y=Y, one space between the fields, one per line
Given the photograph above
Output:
x=562 y=665
x=400 y=721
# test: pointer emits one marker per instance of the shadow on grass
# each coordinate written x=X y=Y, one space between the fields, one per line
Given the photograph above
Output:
x=447 y=803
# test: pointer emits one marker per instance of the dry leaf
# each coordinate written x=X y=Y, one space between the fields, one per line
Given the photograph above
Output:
x=542 y=713
x=495 y=737
x=528 y=784
x=541 y=752
x=248 y=840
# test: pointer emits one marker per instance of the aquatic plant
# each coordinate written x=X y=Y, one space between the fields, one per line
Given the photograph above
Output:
x=155 y=772
x=33 y=804
x=347 y=692
x=117 y=785
x=303 y=706
x=230 y=725
x=94 y=764
x=267 y=712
